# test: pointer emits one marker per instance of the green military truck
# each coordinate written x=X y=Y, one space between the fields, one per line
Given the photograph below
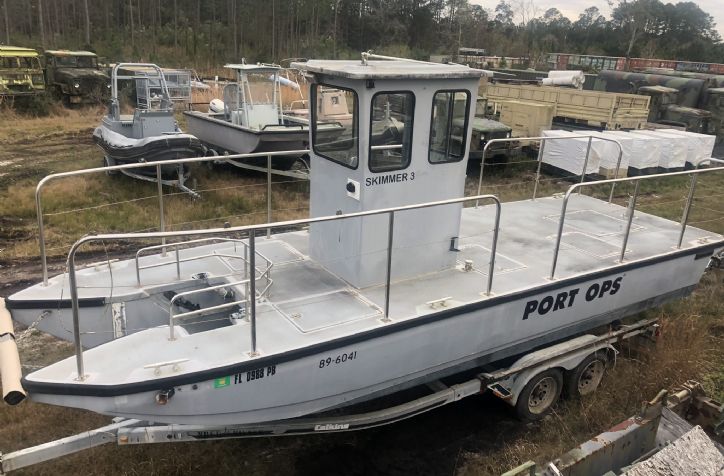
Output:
x=484 y=130
x=20 y=72
x=75 y=77
x=693 y=101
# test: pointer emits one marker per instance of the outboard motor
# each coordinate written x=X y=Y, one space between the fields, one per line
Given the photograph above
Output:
x=216 y=105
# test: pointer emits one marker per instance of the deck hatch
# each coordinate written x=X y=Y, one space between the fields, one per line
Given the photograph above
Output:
x=591 y=245
x=595 y=223
x=318 y=312
x=480 y=255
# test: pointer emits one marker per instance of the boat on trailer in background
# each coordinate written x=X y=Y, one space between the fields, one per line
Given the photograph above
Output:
x=251 y=119
x=151 y=133
x=389 y=284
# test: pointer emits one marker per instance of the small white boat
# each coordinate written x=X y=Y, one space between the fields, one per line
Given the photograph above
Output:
x=393 y=284
x=253 y=119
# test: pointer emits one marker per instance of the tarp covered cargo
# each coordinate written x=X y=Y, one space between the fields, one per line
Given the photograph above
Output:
x=701 y=146
x=640 y=151
x=673 y=149
x=569 y=154
x=606 y=151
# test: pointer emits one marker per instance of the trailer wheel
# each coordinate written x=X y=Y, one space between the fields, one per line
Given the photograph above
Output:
x=586 y=377
x=539 y=395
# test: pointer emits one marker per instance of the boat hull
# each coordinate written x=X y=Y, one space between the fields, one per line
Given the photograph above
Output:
x=149 y=149
x=226 y=136
x=389 y=357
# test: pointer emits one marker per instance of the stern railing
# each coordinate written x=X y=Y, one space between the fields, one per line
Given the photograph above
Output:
x=632 y=204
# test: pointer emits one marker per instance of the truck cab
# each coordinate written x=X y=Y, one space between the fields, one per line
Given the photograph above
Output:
x=20 y=72
x=486 y=129
x=75 y=77
x=715 y=105
x=665 y=110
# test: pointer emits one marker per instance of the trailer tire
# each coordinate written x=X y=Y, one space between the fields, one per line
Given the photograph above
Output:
x=586 y=377
x=539 y=395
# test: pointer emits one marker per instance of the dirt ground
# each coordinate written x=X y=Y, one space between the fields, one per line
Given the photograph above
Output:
x=477 y=436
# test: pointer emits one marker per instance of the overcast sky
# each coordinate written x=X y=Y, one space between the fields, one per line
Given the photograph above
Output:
x=573 y=8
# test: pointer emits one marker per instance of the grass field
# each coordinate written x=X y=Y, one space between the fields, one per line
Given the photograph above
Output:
x=477 y=436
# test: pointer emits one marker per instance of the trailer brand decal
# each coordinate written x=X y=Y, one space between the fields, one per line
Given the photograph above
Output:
x=331 y=427
x=256 y=374
x=392 y=178
x=566 y=299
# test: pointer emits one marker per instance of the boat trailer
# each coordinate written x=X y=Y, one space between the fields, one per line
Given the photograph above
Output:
x=134 y=432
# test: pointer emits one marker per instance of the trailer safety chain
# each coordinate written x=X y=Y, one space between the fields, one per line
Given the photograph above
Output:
x=26 y=333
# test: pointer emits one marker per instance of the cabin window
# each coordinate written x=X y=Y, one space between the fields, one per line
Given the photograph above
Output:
x=449 y=126
x=391 y=131
x=335 y=124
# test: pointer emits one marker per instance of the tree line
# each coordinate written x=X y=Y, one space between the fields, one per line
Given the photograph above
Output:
x=209 y=32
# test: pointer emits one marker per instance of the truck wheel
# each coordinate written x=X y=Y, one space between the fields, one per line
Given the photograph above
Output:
x=586 y=377
x=539 y=395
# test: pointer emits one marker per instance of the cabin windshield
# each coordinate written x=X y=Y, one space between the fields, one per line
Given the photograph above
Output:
x=261 y=88
x=449 y=126
x=391 y=131
x=76 y=62
x=327 y=141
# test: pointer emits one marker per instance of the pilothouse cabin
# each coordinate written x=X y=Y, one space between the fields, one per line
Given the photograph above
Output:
x=406 y=144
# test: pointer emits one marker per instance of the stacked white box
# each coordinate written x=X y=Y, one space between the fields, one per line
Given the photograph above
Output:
x=701 y=145
x=607 y=152
x=569 y=154
x=640 y=152
x=674 y=148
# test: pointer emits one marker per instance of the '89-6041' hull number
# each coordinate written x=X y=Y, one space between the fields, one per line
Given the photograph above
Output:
x=337 y=359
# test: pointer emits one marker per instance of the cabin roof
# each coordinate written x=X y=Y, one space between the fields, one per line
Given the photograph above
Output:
x=388 y=69
x=254 y=68
x=70 y=53
x=6 y=50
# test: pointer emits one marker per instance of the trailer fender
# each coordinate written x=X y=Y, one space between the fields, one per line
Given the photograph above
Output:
x=509 y=388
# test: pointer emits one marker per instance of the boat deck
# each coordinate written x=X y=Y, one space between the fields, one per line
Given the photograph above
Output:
x=308 y=305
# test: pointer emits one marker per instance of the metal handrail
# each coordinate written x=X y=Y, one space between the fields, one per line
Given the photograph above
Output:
x=48 y=178
x=178 y=261
x=543 y=139
x=252 y=230
x=386 y=147
x=685 y=216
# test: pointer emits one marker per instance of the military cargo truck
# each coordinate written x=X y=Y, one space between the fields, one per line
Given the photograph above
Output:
x=484 y=130
x=665 y=110
x=715 y=105
x=583 y=108
x=75 y=77
x=690 y=89
x=690 y=100
x=20 y=72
